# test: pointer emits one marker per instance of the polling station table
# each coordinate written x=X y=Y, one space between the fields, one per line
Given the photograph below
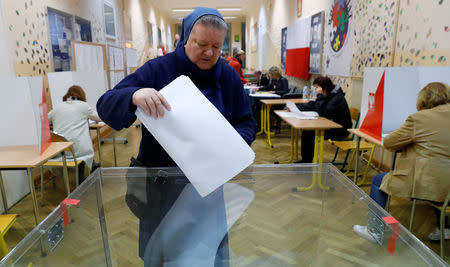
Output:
x=26 y=158
x=254 y=219
x=265 y=113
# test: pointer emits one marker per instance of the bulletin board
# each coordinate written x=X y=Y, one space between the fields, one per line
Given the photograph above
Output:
x=116 y=65
x=131 y=60
x=88 y=56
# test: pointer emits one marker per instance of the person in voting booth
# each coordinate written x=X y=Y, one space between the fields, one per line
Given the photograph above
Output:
x=422 y=164
x=236 y=63
x=331 y=104
x=277 y=84
x=198 y=57
x=70 y=119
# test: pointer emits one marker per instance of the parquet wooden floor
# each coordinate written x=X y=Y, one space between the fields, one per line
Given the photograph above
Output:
x=291 y=238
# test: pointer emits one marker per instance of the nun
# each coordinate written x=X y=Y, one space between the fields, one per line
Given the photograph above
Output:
x=197 y=56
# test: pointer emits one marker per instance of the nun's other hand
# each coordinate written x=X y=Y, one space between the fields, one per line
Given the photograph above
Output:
x=151 y=101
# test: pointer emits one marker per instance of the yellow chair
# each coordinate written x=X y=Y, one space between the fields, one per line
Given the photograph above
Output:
x=6 y=221
x=350 y=145
x=55 y=137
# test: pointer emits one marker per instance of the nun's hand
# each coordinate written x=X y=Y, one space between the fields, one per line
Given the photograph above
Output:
x=151 y=101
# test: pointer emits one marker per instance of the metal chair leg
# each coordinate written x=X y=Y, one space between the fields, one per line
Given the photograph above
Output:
x=413 y=210
x=366 y=170
x=42 y=184
x=351 y=161
x=345 y=160
x=335 y=155
x=443 y=214
x=388 y=202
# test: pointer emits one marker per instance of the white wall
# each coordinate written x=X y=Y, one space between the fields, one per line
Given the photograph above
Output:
x=267 y=15
x=141 y=12
x=16 y=185
x=6 y=68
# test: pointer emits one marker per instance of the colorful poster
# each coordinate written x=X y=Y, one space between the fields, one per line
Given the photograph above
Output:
x=283 y=47
x=338 y=48
x=315 y=45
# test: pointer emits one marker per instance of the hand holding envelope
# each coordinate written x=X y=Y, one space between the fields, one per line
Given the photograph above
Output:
x=151 y=101
x=197 y=136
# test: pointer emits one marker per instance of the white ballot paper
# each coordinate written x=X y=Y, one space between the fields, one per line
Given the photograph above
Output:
x=199 y=139
x=306 y=115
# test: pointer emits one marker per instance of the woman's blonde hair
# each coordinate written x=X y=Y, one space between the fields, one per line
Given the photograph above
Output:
x=275 y=71
x=432 y=95
x=75 y=92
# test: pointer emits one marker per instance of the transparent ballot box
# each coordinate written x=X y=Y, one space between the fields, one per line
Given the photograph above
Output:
x=268 y=215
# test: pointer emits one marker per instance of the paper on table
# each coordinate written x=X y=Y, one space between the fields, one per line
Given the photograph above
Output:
x=293 y=108
x=265 y=95
x=287 y=114
x=198 y=138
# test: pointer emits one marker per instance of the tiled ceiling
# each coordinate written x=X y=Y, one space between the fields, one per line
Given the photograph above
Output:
x=168 y=7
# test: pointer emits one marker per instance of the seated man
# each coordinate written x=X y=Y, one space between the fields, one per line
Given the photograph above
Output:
x=421 y=167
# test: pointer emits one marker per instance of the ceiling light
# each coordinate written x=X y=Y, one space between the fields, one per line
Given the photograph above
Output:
x=182 y=10
x=229 y=9
x=229 y=17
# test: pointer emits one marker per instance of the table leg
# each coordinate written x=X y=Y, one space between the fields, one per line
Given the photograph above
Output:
x=65 y=173
x=268 y=125
x=319 y=172
x=316 y=150
x=114 y=147
x=358 y=141
x=2 y=187
x=293 y=148
x=262 y=119
x=98 y=146
x=33 y=196
x=295 y=131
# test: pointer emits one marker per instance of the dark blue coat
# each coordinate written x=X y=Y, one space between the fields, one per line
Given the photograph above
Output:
x=221 y=85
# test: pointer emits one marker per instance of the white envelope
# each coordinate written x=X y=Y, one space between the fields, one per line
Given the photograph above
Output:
x=198 y=138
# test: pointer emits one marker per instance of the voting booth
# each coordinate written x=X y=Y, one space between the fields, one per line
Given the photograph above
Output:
x=90 y=81
x=255 y=219
x=389 y=95
x=25 y=122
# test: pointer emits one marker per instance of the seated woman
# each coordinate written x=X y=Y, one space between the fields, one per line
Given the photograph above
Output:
x=278 y=84
x=331 y=104
x=421 y=168
x=70 y=119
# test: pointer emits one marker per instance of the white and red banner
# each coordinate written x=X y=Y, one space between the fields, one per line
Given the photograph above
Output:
x=389 y=95
x=297 y=48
